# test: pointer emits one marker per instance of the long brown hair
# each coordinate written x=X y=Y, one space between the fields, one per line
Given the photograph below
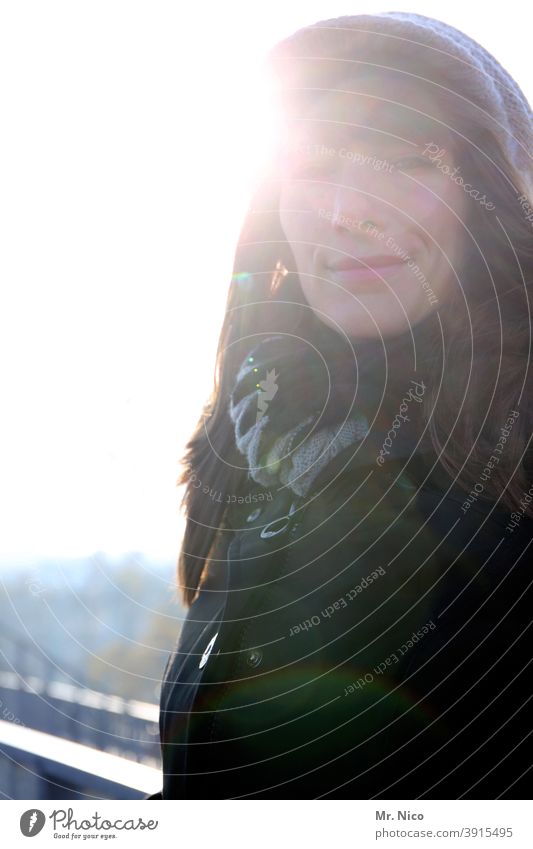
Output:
x=486 y=339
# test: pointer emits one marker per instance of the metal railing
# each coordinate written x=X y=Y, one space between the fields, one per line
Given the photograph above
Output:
x=36 y=765
x=123 y=727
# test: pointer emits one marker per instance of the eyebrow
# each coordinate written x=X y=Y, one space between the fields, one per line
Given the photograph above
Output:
x=397 y=127
x=357 y=133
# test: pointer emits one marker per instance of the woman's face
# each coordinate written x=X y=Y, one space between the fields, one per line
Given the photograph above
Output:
x=371 y=209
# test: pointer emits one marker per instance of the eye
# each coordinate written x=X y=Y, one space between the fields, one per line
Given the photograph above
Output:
x=310 y=170
x=313 y=170
x=412 y=162
x=302 y=165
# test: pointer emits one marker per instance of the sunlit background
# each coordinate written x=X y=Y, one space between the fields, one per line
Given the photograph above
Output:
x=132 y=134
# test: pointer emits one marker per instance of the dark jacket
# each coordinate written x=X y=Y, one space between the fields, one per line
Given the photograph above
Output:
x=372 y=643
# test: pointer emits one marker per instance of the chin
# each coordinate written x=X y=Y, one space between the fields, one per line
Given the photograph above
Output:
x=364 y=326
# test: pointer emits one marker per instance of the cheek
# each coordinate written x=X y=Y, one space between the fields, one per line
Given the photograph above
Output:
x=439 y=210
x=304 y=206
x=300 y=228
x=422 y=206
x=290 y=216
x=425 y=199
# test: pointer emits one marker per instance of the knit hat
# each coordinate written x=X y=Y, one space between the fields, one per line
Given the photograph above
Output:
x=423 y=49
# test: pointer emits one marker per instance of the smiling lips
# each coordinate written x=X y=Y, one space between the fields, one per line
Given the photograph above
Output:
x=361 y=262
x=351 y=270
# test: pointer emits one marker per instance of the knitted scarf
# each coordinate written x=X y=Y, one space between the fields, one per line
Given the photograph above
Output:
x=296 y=405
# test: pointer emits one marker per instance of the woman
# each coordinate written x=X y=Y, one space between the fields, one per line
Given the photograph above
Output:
x=356 y=562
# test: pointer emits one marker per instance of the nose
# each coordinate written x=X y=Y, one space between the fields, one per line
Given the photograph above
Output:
x=357 y=199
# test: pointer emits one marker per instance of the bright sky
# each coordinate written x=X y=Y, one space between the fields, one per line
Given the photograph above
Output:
x=131 y=134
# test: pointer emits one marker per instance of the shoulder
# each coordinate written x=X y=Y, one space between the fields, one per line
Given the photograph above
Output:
x=407 y=492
